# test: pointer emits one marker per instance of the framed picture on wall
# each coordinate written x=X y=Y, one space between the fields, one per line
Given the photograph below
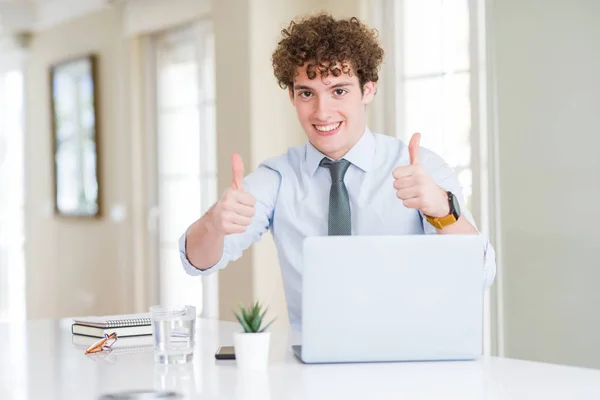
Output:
x=74 y=109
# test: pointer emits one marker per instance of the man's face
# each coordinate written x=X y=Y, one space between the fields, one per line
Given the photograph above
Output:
x=331 y=110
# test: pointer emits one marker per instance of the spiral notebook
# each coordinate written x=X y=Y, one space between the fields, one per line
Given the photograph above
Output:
x=115 y=321
x=123 y=325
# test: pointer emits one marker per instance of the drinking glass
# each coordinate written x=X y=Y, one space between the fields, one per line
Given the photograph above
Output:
x=174 y=332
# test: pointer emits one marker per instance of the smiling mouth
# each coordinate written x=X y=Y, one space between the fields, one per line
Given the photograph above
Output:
x=329 y=129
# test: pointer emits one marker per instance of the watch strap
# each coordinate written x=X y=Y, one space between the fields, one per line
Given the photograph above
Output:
x=441 y=222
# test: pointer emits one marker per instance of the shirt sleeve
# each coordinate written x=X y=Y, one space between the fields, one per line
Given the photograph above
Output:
x=264 y=185
x=446 y=179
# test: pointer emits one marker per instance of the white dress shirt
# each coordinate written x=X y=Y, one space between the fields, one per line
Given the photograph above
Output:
x=292 y=200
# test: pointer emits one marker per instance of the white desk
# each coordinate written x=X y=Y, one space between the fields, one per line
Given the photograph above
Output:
x=39 y=361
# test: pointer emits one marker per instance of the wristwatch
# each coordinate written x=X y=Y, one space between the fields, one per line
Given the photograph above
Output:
x=452 y=217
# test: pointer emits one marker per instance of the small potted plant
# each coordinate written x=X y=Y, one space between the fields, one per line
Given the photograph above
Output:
x=252 y=344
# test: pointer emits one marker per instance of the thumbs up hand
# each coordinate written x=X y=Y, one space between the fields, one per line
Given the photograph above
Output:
x=416 y=187
x=234 y=211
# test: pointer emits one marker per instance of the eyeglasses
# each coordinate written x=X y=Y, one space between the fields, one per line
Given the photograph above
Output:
x=104 y=344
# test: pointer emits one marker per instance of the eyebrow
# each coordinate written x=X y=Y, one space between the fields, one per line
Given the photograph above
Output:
x=336 y=86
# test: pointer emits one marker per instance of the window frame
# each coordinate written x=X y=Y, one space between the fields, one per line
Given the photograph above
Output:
x=197 y=31
x=12 y=58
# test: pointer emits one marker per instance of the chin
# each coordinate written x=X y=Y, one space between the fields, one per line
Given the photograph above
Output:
x=327 y=147
x=327 y=144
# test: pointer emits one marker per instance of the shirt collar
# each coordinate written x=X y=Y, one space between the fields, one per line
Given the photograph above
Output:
x=361 y=154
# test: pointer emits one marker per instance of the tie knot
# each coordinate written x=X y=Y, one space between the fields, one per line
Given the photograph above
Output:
x=337 y=169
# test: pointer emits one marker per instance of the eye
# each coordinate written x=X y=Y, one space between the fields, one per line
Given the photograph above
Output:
x=340 y=92
x=305 y=94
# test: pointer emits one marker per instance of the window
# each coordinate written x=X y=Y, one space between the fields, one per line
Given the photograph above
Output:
x=12 y=190
x=430 y=63
x=435 y=81
x=185 y=153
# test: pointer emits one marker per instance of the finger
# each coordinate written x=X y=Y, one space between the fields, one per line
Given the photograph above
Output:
x=404 y=171
x=245 y=198
x=415 y=202
x=246 y=211
x=404 y=182
x=237 y=165
x=408 y=193
x=413 y=149
x=238 y=219
x=234 y=228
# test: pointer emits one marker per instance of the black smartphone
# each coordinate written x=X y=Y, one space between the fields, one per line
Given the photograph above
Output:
x=225 y=353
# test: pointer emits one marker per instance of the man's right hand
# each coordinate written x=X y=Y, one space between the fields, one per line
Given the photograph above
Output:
x=234 y=211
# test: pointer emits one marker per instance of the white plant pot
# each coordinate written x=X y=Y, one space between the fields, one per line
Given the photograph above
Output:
x=252 y=350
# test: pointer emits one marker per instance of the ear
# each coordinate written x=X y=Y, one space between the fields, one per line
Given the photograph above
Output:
x=369 y=92
x=291 y=92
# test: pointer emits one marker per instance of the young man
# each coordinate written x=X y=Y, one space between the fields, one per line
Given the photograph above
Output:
x=344 y=181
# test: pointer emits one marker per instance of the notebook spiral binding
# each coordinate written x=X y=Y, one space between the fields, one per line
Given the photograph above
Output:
x=116 y=323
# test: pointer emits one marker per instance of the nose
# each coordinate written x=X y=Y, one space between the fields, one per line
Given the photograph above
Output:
x=322 y=112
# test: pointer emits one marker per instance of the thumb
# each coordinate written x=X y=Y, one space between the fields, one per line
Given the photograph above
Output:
x=413 y=149
x=237 y=166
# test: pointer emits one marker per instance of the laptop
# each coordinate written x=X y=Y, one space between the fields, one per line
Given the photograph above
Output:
x=392 y=298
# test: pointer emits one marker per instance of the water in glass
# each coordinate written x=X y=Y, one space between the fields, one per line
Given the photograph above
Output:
x=174 y=334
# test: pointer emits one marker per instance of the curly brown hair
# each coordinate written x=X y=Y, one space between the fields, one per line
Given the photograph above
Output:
x=325 y=44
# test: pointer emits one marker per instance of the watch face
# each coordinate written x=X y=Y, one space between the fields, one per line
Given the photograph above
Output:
x=455 y=205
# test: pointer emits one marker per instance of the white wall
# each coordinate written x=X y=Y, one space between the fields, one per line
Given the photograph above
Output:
x=78 y=266
x=548 y=85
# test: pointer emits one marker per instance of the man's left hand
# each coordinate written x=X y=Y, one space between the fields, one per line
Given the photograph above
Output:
x=415 y=186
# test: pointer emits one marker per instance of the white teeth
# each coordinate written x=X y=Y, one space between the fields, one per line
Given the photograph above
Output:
x=327 y=128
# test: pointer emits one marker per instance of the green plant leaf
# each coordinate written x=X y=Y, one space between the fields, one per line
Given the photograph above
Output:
x=262 y=316
x=251 y=318
x=268 y=325
x=247 y=319
x=245 y=313
x=242 y=322
x=256 y=324
x=255 y=310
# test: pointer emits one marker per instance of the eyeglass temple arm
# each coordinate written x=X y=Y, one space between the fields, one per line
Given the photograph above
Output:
x=96 y=347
